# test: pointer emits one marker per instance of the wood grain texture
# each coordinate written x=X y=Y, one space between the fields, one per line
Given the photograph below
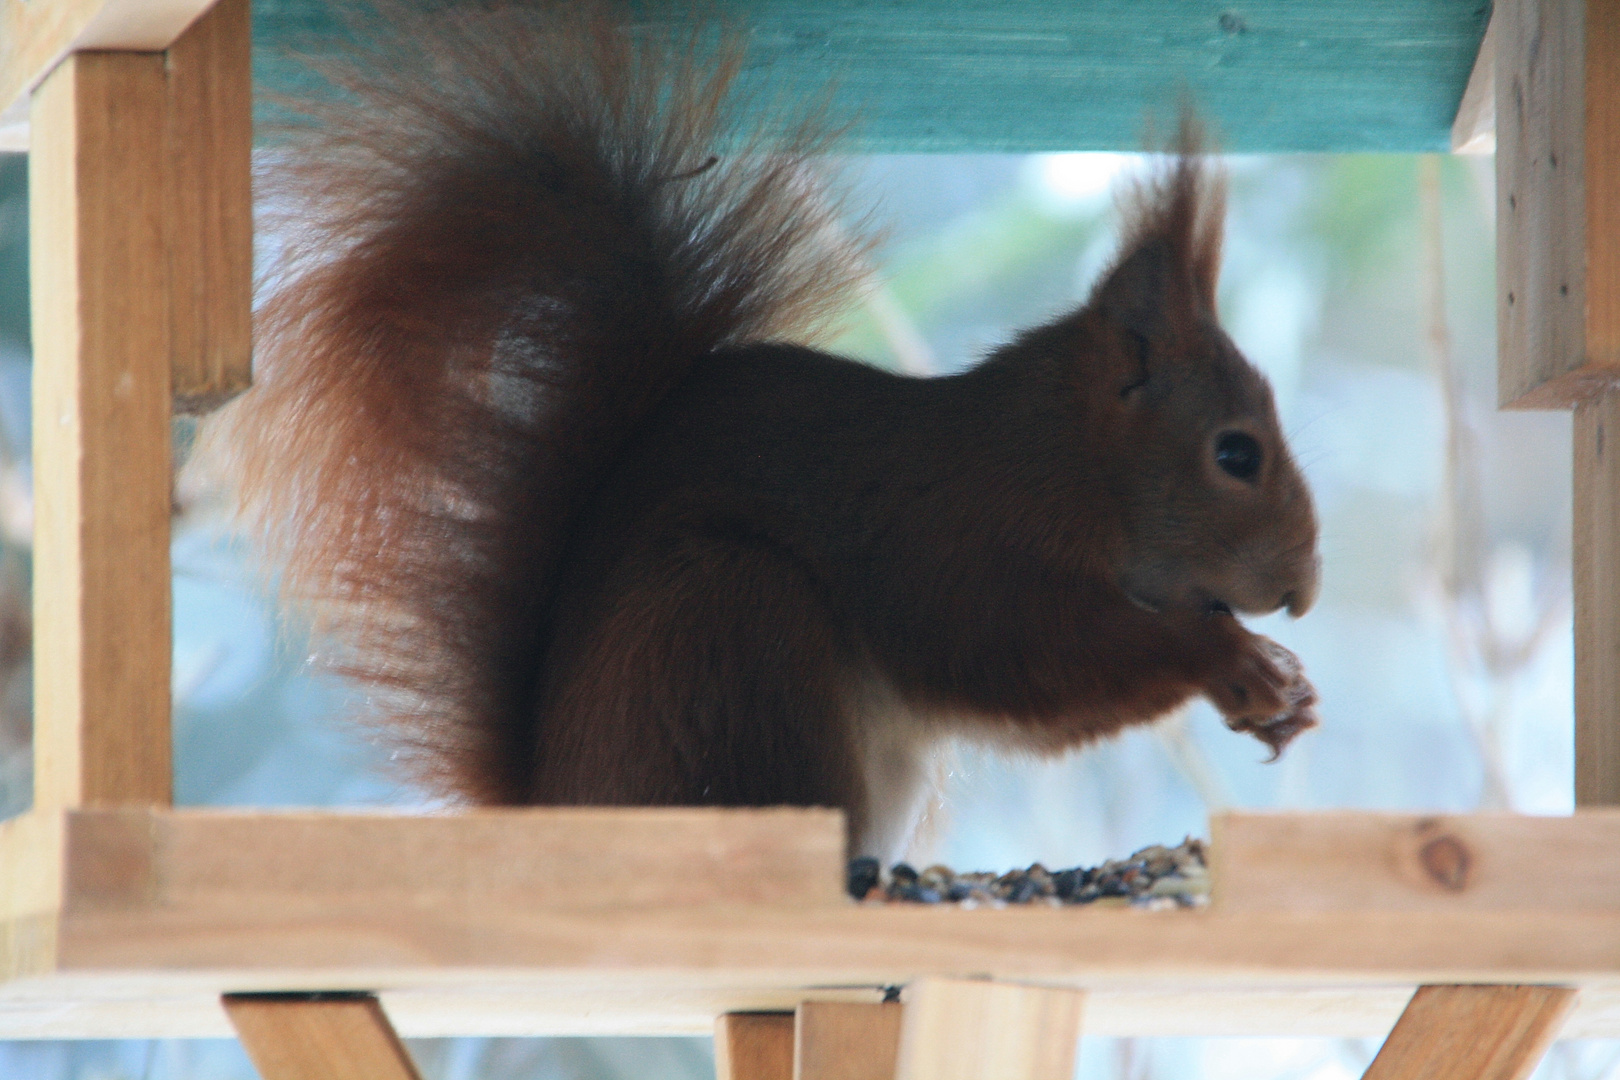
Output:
x=35 y=35
x=498 y=923
x=1596 y=557
x=960 y=1029
x=1365 y=862
x=557 y=859
x=210 y=208
x=319 y=1038
x=1474 y=129
x=836 y=1040
x=766 y=946
x=1008 y=75
x=101 y=396
x=1472 y=1033
x=32 y=859
x=540 y=1003
x=1558 y=200
x=1601 y=179
x=1540 y=201
x=756 y=894
x=753 y=1046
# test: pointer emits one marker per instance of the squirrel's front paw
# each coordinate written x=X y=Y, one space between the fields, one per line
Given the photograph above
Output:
x=1266 y=694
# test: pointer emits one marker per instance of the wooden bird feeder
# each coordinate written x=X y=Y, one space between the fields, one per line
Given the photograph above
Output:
x=317 y=935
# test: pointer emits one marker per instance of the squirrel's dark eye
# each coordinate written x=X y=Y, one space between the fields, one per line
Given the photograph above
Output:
x=1238 y=455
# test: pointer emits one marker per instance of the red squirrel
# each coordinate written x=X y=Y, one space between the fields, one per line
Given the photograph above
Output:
x=537 y=438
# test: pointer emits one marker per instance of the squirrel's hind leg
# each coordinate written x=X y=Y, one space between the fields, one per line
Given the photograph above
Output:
x=707 y=673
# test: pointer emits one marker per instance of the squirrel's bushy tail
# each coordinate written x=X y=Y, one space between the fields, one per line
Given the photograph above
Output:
x=496 y=252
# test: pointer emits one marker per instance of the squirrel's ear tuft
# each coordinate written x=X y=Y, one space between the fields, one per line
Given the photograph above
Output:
x=1173 y=220
x=1133 y=295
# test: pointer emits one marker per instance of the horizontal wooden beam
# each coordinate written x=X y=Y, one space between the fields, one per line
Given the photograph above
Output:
x=1353 y=861
x=655 y=921
x=524 y=1004
x=938 y=75
x=36 y=34
x=561 y=859
x=1007 y=75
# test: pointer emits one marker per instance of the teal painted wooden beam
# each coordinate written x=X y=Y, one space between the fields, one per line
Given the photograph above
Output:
x=1020 y=75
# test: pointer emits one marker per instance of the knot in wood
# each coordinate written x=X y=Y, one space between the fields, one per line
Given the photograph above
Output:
x=1446 y=860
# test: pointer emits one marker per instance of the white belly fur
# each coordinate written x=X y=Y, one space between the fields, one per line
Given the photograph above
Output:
x=904 y=758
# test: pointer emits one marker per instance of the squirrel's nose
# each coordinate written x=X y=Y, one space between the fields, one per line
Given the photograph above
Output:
x=1299 y=600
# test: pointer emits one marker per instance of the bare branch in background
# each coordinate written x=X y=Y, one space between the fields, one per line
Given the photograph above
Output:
x=909 y=346
x=1481 y=647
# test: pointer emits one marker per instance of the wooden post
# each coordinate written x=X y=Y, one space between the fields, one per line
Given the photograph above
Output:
x=846 y=1041
x=209 y=213
x=140 y=214
x=1472 y=1033
x=1597 y=601
x=958 y=1029
x=753 y=1046
x=319 y=1037
x=1558 y=307
x=102 y=389
x=1558 y=200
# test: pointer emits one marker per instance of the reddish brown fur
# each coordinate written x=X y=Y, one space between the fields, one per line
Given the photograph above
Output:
x=519 y=439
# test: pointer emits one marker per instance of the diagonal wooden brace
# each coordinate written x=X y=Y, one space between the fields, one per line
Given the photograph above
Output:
x=319 y=1037
x=1472 y=1033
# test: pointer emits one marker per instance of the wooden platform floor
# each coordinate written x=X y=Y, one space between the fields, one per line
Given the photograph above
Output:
x=547 y=921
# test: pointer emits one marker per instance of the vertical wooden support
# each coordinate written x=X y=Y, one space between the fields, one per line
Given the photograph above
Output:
x=1558 y=200
x=140 y=212
x=1472 y=1033
x=846 y=1041
x=1597 y=601
x=753 y=1046
x=210 y=207
x=97 y=203
x=971 y=1030
x=319 y=1037
x=1558 y=307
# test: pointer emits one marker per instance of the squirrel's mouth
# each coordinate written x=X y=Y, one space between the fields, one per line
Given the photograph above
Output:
x=1205 y=602
x=1143 y=602
x=1209 y=606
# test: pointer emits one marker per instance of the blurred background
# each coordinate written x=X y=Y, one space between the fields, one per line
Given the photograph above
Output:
x=1362 y=286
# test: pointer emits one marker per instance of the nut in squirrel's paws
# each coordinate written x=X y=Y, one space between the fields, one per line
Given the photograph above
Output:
x=1268 y=696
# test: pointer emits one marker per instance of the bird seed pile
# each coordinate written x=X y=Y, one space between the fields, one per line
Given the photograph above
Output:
x=1155 y=877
